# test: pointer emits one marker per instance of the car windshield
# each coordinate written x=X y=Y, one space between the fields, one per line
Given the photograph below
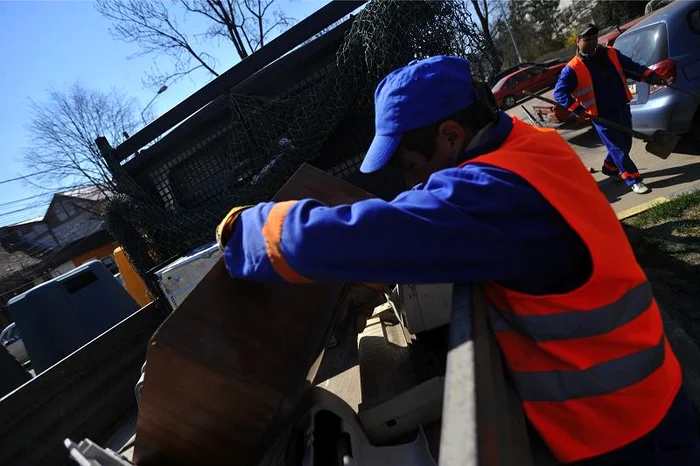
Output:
x=501 y=82
x=647 y=46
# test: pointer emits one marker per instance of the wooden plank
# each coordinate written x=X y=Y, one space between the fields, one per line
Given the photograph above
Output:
x=228 y=366
x=310 y=182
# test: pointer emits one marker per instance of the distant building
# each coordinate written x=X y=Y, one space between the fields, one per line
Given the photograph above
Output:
x=71 y=232
x=17 y=274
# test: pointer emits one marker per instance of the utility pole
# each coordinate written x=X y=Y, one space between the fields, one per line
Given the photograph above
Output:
x=505 y=18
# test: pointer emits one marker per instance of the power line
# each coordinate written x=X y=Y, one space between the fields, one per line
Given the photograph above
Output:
x=25 y=176
x=29 y=205
x=48 y=193
x=19 y=213
x=19 y=219
x=26 y=199
x=4 y=214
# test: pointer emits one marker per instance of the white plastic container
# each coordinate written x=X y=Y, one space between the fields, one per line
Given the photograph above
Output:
x=179 y=278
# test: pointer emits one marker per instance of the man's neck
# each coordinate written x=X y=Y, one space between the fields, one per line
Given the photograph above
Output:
x=488 y=139
x=587 y=55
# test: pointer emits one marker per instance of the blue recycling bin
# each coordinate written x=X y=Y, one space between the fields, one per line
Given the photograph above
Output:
x=60 y=316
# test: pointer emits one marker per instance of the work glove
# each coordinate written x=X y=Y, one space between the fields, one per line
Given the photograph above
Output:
x=578 y=114
x=657 y=80
x=227 y=225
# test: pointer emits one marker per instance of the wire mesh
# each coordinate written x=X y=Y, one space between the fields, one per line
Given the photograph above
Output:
x=325 y=119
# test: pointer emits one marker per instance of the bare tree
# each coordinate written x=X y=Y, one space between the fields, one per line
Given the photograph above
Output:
x=63 y=129
x=483 y=9
x=155 y=25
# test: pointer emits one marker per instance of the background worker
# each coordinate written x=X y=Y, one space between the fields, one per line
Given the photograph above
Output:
x=504 y=204
x=594 y=81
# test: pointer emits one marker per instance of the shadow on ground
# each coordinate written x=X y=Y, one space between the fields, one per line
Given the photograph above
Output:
x=613 y=190
x=688 y=145
x=588 y=139
x=660 y=250
x=673 y=175
x=655 y=179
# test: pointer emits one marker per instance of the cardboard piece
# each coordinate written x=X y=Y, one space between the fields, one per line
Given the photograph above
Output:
x=226 y=369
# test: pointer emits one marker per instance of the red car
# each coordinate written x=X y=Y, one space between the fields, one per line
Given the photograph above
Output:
x=510 y=89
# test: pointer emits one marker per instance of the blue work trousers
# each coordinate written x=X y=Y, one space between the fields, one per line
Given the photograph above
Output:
x=618 y=144
x=674 y=442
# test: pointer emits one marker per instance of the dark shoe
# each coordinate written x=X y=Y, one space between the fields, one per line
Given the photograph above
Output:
x=615 y=177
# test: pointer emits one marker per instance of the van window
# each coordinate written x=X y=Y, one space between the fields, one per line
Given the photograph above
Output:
x=647 y=46
x=694 y=20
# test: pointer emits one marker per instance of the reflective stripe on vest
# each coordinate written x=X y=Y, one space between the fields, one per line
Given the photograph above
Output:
x=585 y=361
x=584 y=94
x=606 y=377
x=601 y=379
x=575 y=324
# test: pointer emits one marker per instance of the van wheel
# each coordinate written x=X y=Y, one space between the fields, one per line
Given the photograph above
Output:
x=509 y=101
x=695 y=127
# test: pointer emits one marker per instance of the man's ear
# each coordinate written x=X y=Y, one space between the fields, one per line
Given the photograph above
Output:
x=454 y=133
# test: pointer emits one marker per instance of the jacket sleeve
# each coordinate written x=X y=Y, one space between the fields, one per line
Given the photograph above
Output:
x=634 y=70
x=457 y=228
x=565 y=86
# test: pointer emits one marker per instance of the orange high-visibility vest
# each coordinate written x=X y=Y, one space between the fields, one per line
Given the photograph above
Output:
x=592 y=366
x=583 y=94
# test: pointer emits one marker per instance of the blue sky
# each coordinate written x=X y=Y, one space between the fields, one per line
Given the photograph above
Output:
x=53 y=44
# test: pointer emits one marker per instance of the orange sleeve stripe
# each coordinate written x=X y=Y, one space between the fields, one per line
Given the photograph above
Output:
x=377 y=286
x=272 y=233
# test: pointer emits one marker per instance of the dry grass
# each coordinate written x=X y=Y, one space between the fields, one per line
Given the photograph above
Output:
x=666 y=240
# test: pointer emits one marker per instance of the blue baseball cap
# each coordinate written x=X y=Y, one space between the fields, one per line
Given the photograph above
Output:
x=422 y=92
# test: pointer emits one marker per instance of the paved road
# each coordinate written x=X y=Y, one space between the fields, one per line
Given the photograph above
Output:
x=681 y=171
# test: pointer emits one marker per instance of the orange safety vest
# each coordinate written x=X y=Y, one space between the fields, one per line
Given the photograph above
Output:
x=592 y=366
x=583 y=94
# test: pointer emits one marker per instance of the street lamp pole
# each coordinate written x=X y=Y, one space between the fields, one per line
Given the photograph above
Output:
x=505 y=18
x=162 y=89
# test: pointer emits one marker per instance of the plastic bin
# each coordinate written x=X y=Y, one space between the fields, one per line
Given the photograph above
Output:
x=59 y=316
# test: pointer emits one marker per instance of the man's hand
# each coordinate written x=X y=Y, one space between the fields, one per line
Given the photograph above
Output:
x=578 y=114
x=657 y=80
x=225 y=228
x=571 y=116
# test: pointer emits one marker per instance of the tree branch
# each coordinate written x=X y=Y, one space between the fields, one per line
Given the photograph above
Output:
x=154 y=25
x=64 y=127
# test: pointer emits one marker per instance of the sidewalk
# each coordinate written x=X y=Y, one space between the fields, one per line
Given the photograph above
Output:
x=680 y=172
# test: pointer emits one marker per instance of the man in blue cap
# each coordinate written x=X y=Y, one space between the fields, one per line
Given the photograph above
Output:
x=500 y=203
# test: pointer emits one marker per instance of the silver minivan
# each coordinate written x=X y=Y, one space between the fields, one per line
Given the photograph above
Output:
x=667 y=41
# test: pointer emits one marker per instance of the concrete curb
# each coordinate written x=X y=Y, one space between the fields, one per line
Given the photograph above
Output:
x=638 y=209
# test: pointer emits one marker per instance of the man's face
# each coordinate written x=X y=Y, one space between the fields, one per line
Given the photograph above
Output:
x=416 y=168
x=587 y=44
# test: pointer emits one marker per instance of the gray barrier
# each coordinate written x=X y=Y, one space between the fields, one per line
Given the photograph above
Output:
x=83 y=395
